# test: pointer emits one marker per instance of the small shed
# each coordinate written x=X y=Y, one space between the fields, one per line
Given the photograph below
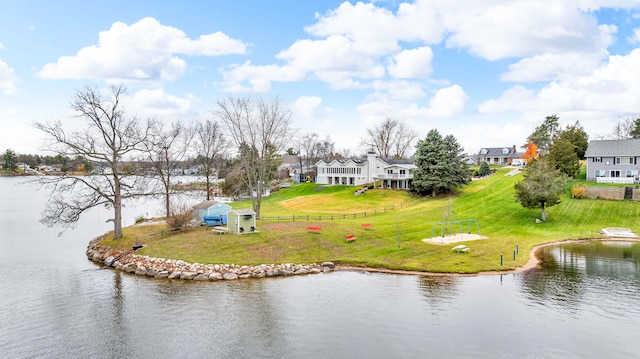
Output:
x=209 y=208
x=242 y=220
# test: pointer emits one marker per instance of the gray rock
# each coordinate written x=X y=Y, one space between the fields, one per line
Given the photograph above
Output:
x=151 y=272
x=328 y=264
x=174 y=275
x=141 y=270
x=315 y=270
x=201 y=277
x=188 y=275
x=215 y=276
x=301 y=271
x=229 y=276
x=162 y=274
x=244 y=276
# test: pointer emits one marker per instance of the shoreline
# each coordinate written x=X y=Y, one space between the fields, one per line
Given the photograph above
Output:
x=128 y=261
x=532 y=263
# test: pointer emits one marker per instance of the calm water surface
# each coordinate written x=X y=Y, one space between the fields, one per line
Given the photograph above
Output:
x=54 y=303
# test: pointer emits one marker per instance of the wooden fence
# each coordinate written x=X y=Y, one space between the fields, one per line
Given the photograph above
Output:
x=333 y=217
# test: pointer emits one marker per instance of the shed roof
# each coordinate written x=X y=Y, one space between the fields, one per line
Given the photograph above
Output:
x=244 y=211
x=602 y=148
x=205 y=204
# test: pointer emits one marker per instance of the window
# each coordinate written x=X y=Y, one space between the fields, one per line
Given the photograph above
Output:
x=600 y=173
x=484 y=151
x=615 y=173
x=597 y=159
x=403 y=172
x=389 y=172
x=632 y=173
x=625 y=160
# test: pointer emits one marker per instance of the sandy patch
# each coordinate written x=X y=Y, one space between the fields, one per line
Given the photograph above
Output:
x=454 y=238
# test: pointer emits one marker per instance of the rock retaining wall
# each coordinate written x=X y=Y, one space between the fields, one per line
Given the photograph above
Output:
x=130 y=262
x=610 y=193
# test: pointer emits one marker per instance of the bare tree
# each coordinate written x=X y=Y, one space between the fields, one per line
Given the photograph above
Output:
x=623 y=129
x=308 y=146
x=404 y=138
x=390 y=139
x=165 y=150
x=326 y=148
x=109 y=138
x=259 y=130
x=210 y=144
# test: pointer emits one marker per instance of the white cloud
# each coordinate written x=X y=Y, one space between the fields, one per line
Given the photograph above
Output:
x=8 y=79
x=634 y=39
x=158 y=104
x=145 y=50
x=305 y=106
x=1 y=46
x=495 y=29
x=611 y=88
x=445 y=103
x=354 y=43
x=412 y=63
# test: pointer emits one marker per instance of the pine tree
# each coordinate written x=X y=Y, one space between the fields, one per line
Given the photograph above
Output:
x=439 y=165
x=541 y=187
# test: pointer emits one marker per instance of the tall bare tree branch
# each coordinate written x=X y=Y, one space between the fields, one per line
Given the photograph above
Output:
x=108 y=140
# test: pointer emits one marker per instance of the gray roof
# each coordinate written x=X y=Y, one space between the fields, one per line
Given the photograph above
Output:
x=609 y=148
x=205 y=204
x=499 y=152
x=244 y=211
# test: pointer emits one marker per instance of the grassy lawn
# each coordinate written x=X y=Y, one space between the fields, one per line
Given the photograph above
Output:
x=395 y=239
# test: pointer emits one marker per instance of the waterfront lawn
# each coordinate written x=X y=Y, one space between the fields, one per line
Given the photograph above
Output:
x=394 y=240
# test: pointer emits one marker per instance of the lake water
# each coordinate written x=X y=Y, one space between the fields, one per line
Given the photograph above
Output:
x=54 y=303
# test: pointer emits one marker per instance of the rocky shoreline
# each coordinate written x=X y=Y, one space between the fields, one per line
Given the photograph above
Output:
x=130 y=262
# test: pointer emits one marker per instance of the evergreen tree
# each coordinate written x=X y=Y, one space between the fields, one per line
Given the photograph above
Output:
x=562 y=156
x=484 y=169
x=544 y=135
x=635 y=131
x=577 y=136
x=541 y=187
x=10 y=160
x=439 y=165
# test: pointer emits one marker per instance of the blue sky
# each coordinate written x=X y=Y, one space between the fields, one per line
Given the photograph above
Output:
x=485 y=71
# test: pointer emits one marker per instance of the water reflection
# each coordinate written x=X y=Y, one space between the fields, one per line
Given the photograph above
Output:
x=439 y=292
x=574 y=275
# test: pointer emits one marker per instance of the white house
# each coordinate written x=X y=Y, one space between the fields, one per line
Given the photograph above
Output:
x=361 y=171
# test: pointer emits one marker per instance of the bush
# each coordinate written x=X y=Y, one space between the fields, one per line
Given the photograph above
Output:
x=179 y=216
x=578 y=192
x=484 y=169
x=140 y=219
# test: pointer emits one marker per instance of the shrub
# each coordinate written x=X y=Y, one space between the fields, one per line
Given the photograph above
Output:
x=140 y=219
x=179 y=216
x=484 y=169
x=579 y=191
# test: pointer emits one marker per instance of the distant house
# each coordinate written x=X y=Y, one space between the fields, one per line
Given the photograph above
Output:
x=208 y=209
x=241 y=221
x=613 y=161
x=360 y=171
x=500 y=156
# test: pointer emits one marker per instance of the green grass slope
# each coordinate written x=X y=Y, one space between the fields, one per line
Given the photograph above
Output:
x=398 y=227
